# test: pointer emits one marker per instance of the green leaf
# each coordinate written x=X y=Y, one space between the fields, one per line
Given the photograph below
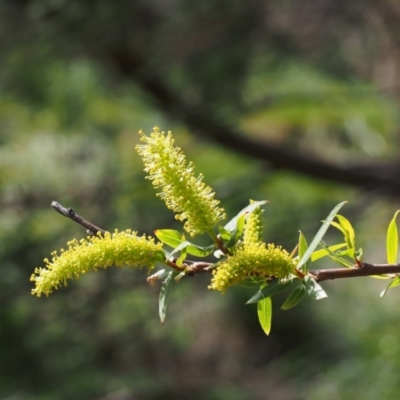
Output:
x=237 y=232
x=337 y=226
x=345 y=253
x=193 y=249
x=181 y=248
x=338 y=256
x=303 y=246
x=313 y=289
x=169 y=237
x=392 y=240
x=359 y=255
x=341 y=261
x=179 y=276
x=182 y=256
x=225 y=234
x=382 y=277
x=294 y=298
x=231 y=225
x=200 y=251
x=395 y=282
x=233 y=230
x=264 y=311
x=162 y=304
x=251 y=282
x=320 y=234
x=161 y=256
x=349 y=234
x=326 y=251
x=269 y=290
x=159 y=275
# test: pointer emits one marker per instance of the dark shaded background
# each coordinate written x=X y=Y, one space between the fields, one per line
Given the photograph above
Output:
x=294 y=102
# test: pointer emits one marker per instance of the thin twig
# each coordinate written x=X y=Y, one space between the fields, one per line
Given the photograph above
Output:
x=71 y=214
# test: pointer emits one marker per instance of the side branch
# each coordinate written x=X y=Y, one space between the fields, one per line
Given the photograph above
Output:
x=70 y=213
x=320 y=275
x=194 y=268
x=364 y=269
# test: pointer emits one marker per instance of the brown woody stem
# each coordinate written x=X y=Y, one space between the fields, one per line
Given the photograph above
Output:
x=70 y=213
x=364 y=269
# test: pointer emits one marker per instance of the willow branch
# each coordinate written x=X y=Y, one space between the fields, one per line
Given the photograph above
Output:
x=364 y=269
x=198 y=267
x=71 y=214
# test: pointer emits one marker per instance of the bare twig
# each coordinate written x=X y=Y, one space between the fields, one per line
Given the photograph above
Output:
x=71 y=214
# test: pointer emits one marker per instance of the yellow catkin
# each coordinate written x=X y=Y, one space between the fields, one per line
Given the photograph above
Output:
x=253 y=260
x=187 y=195
x=113 y=249
x=253 y=228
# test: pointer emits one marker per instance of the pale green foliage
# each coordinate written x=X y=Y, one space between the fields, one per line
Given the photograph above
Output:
x=392 y=239
x=392 y=244
x=264 y=312
x=320 y=234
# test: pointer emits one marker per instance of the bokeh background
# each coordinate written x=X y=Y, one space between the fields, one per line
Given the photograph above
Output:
x=296 y=102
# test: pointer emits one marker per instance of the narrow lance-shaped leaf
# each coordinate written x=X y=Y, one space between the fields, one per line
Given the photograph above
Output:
x=162 y=305
x=170 y=237
x=268 y=291
x=338 y=256
x=182 y=257
x=193 y=249
x=392 y=240
x=313 y=289
x=237 y=232
x=264 y=311
x=303 y=246
x=200 y=251
x=225 y=234
x=178 y=277
x=395 y=282
x=320 y=234
x=348 y=230
x=326 y=251
x=159 y=275
x=294 y=298
x=231 y=225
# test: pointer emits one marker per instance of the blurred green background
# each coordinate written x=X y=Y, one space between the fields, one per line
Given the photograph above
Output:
x=78 y=79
